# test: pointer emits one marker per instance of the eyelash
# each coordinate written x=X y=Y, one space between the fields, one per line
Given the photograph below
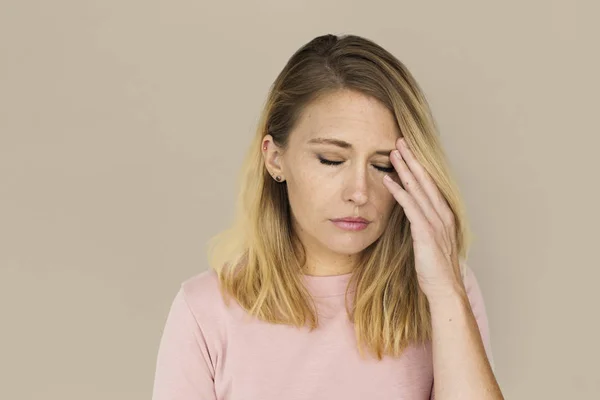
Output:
x=329 y=162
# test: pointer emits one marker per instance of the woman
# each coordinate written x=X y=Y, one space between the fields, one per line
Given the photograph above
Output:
x=343 y=276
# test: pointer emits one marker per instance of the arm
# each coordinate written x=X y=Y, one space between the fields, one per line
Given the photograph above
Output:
x=183 y=369
x=462 y=357
x=460 y=366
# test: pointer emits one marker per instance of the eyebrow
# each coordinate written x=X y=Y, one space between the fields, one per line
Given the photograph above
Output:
x=343 y=144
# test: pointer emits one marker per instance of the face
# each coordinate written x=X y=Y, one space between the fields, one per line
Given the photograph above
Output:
x=333 y=167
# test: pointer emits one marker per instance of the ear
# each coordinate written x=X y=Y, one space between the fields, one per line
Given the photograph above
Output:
x=272 y=156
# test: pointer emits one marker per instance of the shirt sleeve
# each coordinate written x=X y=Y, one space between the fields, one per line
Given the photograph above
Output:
x=479 y=311
x=184 y=370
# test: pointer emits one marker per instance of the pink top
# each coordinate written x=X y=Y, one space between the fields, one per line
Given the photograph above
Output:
x=209 y=352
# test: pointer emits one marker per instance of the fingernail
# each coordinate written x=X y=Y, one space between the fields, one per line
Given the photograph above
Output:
x=387 y=178
x=397 y=154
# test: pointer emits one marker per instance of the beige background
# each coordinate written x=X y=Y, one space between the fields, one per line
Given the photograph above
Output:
x=123 y=124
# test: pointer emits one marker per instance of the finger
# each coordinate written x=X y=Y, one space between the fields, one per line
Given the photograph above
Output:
x=437 y=201
x=420 y=225
x=412 y=185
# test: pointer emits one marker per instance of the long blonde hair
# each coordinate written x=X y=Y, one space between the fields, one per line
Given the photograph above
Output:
x=259 y=259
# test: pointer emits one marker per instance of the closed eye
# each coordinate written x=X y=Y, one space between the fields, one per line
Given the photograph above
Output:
x=380 y=168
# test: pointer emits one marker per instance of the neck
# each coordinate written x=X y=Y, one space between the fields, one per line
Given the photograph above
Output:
x=322 y=265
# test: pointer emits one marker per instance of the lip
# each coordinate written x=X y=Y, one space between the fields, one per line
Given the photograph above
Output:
x=352 y=219
x=351 y=223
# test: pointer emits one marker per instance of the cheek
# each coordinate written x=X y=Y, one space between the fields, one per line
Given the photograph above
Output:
x=311 y=182
x=308 y=194
x=307 y=185
x=385 y=203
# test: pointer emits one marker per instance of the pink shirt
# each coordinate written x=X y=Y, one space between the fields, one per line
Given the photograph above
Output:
x=209 y=352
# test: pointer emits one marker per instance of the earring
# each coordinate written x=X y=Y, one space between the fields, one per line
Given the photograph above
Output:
x=278 y=178
x=265 y=146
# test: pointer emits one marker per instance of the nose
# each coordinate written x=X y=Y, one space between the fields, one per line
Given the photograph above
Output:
x=356 y=189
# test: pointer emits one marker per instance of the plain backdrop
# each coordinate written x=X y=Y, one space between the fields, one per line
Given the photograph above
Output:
x=123 y=125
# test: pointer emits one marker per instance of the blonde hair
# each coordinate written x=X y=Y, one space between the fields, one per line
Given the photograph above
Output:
x=259 y=260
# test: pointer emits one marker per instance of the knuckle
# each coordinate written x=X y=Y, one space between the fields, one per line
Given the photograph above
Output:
x=449 y=217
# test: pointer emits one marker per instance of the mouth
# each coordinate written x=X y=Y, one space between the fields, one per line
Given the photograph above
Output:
x=352 y=219
x=351 y=223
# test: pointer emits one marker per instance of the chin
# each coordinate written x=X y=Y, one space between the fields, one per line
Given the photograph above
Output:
x=348 y=245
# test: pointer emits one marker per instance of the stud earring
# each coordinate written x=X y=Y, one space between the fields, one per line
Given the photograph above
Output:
x=278 y=178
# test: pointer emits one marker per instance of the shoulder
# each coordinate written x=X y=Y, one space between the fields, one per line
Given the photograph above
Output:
x=478 y=307
x=475 y=297
x=471 y=283
x=200 y=296
x=474 y=293
x=203 y=284
x=201 y=292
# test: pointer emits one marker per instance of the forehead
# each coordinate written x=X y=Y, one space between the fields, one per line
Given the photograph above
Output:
x=347 y=115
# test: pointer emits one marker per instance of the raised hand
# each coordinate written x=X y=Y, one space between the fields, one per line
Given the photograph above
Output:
x=431 y=222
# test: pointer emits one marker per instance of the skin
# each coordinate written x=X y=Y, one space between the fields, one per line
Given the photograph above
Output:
x=320 y=192
x=460 y=366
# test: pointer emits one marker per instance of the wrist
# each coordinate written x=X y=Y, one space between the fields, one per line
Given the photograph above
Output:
x=452 y=297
